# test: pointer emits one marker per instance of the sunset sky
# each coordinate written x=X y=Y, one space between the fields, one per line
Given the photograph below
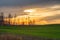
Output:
x=44 y=10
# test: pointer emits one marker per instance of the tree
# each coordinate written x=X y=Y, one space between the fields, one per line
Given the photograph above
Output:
x=9 y=17
x=15 y=19
x=15 y=15
x=2 y=18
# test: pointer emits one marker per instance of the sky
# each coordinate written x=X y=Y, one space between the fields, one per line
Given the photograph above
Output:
x=28 y=2
x=48 y=10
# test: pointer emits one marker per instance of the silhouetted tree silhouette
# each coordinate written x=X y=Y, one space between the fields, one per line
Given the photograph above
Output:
x=9 y=16
x=15 y=15
x=22 y=23
x=33 y=22
x=15 y=19
x=1 y=18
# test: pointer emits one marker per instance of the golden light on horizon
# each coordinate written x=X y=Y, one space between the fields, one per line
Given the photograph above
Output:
x=25 y=20
x=34 y=16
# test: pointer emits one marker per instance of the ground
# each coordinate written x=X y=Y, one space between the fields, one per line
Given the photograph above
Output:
x=49 y=31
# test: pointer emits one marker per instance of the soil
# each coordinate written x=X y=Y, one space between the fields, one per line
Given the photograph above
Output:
x=21 y=37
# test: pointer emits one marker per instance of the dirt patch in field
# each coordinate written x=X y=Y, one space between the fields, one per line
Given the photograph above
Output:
x=21 y=37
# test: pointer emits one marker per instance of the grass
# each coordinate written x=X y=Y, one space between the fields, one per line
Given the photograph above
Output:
x=49 y=31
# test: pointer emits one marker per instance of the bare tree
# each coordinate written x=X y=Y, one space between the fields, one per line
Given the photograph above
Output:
x=15 y=19
x=9 y=16
x=2 y=18
x=15 y=15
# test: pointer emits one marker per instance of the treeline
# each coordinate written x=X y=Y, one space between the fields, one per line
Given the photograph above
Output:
x=2 y=17
x=2 y=22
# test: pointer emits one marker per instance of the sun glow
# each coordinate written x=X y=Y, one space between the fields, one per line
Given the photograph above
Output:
x=29 y=10
x=38 y=12
x=34 y=16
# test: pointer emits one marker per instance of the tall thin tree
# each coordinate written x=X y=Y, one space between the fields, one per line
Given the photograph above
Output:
x=9 y=17
x=2 y=18
x=15 y=19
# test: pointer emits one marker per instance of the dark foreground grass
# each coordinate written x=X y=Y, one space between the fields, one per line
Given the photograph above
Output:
x=49 y=31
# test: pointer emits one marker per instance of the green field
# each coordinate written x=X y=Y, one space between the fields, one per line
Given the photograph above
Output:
x=50 y=31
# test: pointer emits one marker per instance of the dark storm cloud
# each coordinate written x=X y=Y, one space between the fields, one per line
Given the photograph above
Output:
x=50 y=18
x=28 y=2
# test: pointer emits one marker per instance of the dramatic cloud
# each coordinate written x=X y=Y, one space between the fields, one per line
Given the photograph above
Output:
x=47 y=9
x=49 y=18
x=28 y=2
